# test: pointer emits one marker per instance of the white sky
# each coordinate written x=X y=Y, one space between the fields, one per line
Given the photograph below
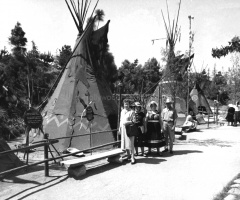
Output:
x=134 y=23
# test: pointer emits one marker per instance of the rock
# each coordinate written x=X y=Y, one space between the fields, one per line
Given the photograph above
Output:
x=76 y=172
x=230 y=197
x=235 y=191
x=235 y=186
x=115 y=159
x=237 y=181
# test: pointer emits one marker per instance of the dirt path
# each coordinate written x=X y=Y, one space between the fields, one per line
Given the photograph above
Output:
x=200 y=167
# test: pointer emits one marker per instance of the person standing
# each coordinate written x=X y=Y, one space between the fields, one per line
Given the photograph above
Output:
x=237 y=114
x=169 y=118
x=154 y=137
x=139 y=118
x=127 y=143
x=230 y=114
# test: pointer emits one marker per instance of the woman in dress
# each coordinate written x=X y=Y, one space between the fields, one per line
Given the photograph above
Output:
x=230 y=114
x=127 y=143
x=154 y=137
x=139 y=118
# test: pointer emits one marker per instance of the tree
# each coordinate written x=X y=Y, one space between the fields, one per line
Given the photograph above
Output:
x=99 y=16
x=138 y=79
x=18 y=40
x=4 y=56
x=234 y=46
x=234 y=72
x=64 y=54
x=110 y=69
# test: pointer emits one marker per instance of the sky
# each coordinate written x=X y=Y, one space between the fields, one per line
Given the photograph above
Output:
x=133 y=25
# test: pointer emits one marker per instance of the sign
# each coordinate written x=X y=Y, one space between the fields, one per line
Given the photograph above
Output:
x=194 y=97
x=33 y=118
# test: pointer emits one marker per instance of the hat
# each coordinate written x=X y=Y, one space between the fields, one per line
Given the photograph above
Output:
x=168 y=100
x=153 y=102
x=137 y=104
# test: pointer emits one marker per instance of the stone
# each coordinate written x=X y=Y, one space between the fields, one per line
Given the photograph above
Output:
x=235 y=191
x=235 y=186
x=237 y=181
x=115 y=159
x=230 y=197
x=76 y=172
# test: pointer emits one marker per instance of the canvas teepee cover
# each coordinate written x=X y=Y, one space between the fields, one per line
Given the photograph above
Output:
x=80 y=84
x=8 y=161
x=199 y=99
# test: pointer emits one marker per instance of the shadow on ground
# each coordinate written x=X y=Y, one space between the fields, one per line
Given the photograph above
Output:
x=150 y=160
x=32 y=190
x=13 y=175
x=180 y=152
x=98 y=169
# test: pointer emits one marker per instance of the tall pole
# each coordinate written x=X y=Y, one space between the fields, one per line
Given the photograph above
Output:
x=188 y=70
x=119 y=107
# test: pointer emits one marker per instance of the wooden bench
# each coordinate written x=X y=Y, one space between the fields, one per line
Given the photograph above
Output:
x=76 y=167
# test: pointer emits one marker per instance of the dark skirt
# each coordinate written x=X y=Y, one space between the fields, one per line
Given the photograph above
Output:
x=237 y=116
x=154 y=137
x=139 y=141
x=230 y=117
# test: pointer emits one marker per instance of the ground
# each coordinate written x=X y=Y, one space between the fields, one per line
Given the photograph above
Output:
x=199 y=168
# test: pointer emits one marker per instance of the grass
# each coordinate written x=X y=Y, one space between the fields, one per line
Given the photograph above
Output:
x=224 y=193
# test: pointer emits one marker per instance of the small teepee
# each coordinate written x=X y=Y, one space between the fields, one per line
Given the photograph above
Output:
x=80 y=101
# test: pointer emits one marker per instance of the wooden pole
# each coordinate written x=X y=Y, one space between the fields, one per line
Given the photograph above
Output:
x=119 y=107
x=90 y=129
x=188 y=69
x=208 y=120
x=46 y=166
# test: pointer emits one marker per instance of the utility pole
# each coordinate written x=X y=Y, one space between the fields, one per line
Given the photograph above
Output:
x=188 y=70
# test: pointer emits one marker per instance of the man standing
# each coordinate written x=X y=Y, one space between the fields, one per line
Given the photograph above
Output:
x=169 y=118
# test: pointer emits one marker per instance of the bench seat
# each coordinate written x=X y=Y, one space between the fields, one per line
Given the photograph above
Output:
x=84 y=160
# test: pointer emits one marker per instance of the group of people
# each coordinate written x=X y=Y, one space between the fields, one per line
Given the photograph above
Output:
x=155 y=130
x=233 y=114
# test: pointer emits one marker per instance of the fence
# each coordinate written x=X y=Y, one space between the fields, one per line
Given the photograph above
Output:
x=45 y=143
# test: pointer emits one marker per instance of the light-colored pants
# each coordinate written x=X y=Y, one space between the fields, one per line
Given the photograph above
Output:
x=168 y=134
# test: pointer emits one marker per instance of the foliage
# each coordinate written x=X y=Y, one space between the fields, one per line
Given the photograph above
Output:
x=64 y=54
x=138 y=79
x=218 y=88
x=110 y=69
x=17 y=39
x=22 y=74
x=234 y=46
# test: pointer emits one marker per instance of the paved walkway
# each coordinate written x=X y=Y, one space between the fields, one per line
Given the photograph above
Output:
x=200 y=167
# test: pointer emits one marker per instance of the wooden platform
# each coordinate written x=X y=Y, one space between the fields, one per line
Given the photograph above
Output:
x=92 y=158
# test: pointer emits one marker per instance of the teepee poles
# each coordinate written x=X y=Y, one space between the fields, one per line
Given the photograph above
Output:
x=79 y=12
x=173 y=33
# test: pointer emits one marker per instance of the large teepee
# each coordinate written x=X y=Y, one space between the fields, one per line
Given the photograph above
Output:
x=81 y=88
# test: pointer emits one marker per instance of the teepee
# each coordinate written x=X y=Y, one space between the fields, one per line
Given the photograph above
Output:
x=176 y=65
x=81 y=102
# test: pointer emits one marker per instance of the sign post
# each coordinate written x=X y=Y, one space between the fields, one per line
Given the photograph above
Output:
x=32 y=119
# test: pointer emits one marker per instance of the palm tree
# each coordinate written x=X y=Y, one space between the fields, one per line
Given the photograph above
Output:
x=100 y=16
